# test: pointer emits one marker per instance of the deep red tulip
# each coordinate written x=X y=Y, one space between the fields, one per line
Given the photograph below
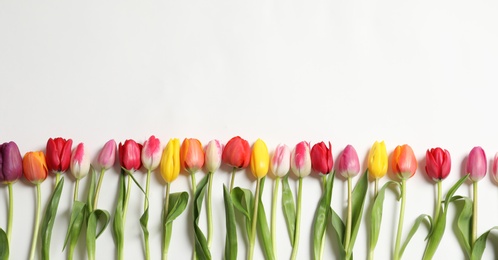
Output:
x=321 y=158
x=237 y=153
x=438 y=163
x=58 y=154
x=129 y=155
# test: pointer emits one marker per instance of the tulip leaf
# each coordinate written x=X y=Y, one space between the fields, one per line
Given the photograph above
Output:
x=144 y=219
x=321 y=216
x=75 y=225
x=177 y=204
x=414 y=229
x=91 y=190
x=96 y=217
x=4 y=245
x=480 y=245
x=231 y=229
x=339 y=229
x=49 y=219
x=243 y=201
x=289 y=208
x=201 y=247
x=376 y=214
x=358 y=201
x=439 y=226
x=263 y=228
x=464 y=222
x=118 y=215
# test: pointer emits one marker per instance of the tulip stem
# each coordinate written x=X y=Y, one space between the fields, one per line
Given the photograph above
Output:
x=127 y=198
x=209 y=210
x=254 y=221
x=165 y=235
x=146 y=206
x=232 y=180
x=57 y=178
x=34 y=239
x=194 y=189
x=324 y=185
x=474 y=215
x=347 y=238
x=397 y=255
x=298 y=220
x=438 y=204
x=376 y=187
x=97 y=192
x=274 y=216
x=11 y=213
x=76 y=187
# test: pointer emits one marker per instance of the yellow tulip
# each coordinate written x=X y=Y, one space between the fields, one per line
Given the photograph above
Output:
x=260 y=159
x=377 y=160
x=170 y=161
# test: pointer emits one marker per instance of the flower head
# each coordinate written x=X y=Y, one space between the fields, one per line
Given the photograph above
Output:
x=495 y=168
x=10 y=163
x=321 y=158
x=404 y=162
x=129 y=155
x=80 y=163
x=377 y=160
x=35 y=167
x=151 y=153
x=107 y=155
x=301 y=160
x=349 y=164
x=191 y=155
x=280 y=160
x=260 y=159
x=58 y=154
x=170 y=161
x=438 y=163
x=212 y=155
x=477 y=164
x=237 y=153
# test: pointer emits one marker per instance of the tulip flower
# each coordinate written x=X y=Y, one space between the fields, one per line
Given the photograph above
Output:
x=377 y=162
x=404 y=165
x=301 y=167
x=279 y=166
x=58 y=156
x=10 y=172
x=212 y=161
x=35 y=171
x=106 y=160
x=476 y=168
x=237 y=153
x=191 y=158
x=129 y=155
x=321 y=158
x=495 y=168
x=80 y=165
x=438 y=166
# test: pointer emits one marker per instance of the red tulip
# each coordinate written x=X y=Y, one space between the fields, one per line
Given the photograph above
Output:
x=58 y=154
x=129 y=155
x=321 y=158
x=404 y=163
x=438 y=163
x=10 y=163
x=237 y=153
x=35 y=167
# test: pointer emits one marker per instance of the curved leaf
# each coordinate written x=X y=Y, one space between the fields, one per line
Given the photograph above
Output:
x=177 y=204
x=4 y=245
x=231 y=229
x=322 y=215
x=480 y=245
x=243 y=201
x=289 y=208
x=358 y=201
x=91 y=190
x=117 y=226
x=414 y=229
x=339 y=229
x=263 y=228
x=75 y=224
x=97 y=216
x=464 y=222
x=201 y=247
x=49 y=219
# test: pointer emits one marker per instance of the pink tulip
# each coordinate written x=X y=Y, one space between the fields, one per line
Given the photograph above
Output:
x=80 y=163
x=349 y=164
x=301 y=159
x=495 y=167
x=151 y=153
x=280 y=160
x=212 y=155
x=107 y=155
x=477 y=164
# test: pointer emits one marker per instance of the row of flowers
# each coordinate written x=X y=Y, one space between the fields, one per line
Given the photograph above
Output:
x=60 y=157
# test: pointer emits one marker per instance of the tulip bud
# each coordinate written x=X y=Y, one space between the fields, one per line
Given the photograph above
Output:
x=80 y=163
x=477 y=164
x=129 y=155
x=237 y=153
x=260 y=159
x=438 y=163
x=495 y=167
x=349 y=164
x=191 y=155
x=10 y=163
x=321 y=158
x=107 y=155
x=151 y=153
x=58 y=154
x=377 y=160
x=170 y=161
x=301 y=160
x=212 y=155
x=35 y=167
x=280 y=160
x=404 y=163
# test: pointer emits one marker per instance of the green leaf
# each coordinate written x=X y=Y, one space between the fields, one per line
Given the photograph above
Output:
x=49 y=219
x=263 y=228
x=376 y=214
x=177 y=204
x=414 y=229
x=91 y=190
x=231 y=229
x=339 y=230
x=480 y=245
x=464 y=222
x=118 y=215
x=289 y=208
x=75 y=224
x=243 y=201
x=201 y=247
x=4 y=245
x=358 y=200
x=322 y=215
x=97 y=216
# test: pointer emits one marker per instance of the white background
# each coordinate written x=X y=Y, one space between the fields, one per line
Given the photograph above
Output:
x=352 y=72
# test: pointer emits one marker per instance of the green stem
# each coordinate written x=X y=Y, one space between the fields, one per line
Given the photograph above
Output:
x=146 y=205
x=127 y=198
x=322 y=246
x=274 y=216
x=474 y=215
x=57 y=178
x=194 y=189
x=254 y=221
x=97 y=192
x=439 y=199
x=233 y=179
x=347 y=238
x=34 y=239
x=11 y=213
x=298 y=220
x=165 y=235
x=371 y=254
x=397 y=255
x=76 y=187
x=376 y=187
x=209 y=210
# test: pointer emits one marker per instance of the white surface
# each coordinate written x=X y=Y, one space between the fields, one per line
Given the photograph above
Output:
x=352 y=72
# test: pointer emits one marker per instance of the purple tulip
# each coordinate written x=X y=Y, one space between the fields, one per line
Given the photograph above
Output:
x=10 y=163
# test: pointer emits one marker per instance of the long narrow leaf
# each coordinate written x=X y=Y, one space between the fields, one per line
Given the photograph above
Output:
x=289 y=208
x=91 y=190
x=358 y=201
x=464 y=222
x=177 y=204
x=49 y=219
x=4 y=245
x=118 y=215
x=96 y=217
x=231 y=229
x=201 y=247
x=243 y=201
x=480 y=245
x=75 y=223
x=339 y=229
x=322 y=215
x=414 y=229
x=263 y=228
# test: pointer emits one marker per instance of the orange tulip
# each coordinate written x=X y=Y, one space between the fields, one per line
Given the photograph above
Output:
x=35 y=167
x=191 y=155
x=404 y=162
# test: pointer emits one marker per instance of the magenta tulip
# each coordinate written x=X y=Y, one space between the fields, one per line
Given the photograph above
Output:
x=107 y=155
x=476 y=164
x=348 y=164
x=10 y=163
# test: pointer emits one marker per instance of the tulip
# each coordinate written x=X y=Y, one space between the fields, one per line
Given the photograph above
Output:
x=35 y=171
x=476 y=168
x=212 y=161
x=438 y=163
x=170 y=161
x=129 y=155
x=237 y=153
x=260 y=159
x=151 y=153
x=58 y=155
x=10 y=172
x=495 y=168
x=377 y=160
x=349 y=164
x=107 y=155
x=404 y=163
x=80 y=163
x=321 y=158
